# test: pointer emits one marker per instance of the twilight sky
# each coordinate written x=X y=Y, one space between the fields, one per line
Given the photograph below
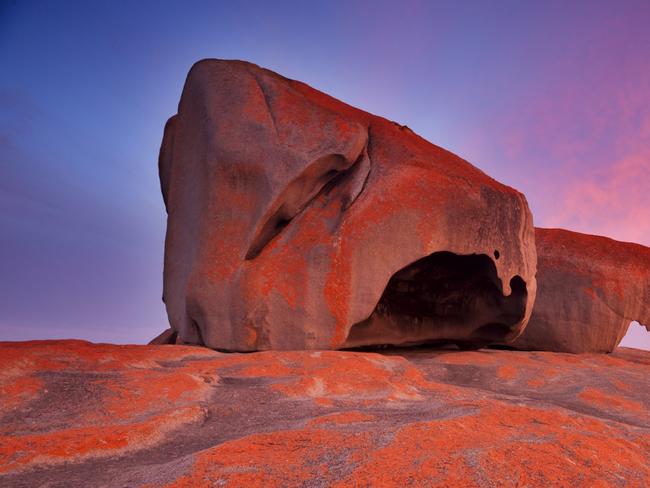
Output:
x=553 y=99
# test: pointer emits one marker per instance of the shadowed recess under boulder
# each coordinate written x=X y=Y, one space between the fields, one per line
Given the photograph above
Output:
x=444 y=298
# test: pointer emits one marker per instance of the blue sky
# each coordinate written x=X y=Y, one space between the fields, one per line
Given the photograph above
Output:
x=552 y=98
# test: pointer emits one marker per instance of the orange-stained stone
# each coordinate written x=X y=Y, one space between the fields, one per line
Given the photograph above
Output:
x=507 y=372
x=609 y=401
x=342 y=418
x=83 y=443
x=281 y=459
x=81 y=414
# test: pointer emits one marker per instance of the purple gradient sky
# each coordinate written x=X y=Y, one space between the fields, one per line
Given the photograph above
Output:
x=553 y=99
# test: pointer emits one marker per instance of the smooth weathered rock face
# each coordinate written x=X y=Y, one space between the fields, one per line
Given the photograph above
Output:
x=589 y=290
x=80 y=414
x=291 y=213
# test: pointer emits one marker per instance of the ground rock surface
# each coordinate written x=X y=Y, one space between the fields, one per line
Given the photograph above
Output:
x=289 y=212
x=589 y=290
x=79 y=414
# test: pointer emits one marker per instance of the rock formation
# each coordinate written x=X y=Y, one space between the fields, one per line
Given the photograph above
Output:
x=80 y=414
x=589 y=290
x=297 y=222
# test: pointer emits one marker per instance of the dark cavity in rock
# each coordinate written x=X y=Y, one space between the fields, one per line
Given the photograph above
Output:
x=440 y=296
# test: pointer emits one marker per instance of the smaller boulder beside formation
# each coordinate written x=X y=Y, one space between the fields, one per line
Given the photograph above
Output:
x=590 y=289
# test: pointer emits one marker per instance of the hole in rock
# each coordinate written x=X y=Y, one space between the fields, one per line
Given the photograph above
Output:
x=637 y=336
x=497 y=254
x=443 y=298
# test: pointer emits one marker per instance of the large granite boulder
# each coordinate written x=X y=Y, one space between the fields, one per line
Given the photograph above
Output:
x=296 y=221
x=590 y=289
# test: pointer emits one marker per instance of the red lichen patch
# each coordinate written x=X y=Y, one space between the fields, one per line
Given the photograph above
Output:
x=270 y=367
x=351 y=418
x=606 y=359
x=535 y=383
x=517 y=446
x=14 y=392
x=468 y=357
x=141 y=384
x=636 y=356
x=576 y=360
x=27 y=357
x=337 y=375
x=135 y=399
x=77 y=444
x=141 y=391
x=323 y=402
x=278 y=459
x=621 y=385
x=500 y=444
x=340 y=418
x=598 y=397
x=507 y=372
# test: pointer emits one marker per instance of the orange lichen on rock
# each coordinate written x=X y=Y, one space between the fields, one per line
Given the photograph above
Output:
x=342 y=418
x=535 y=382
x=608 y=401
x=83 y=443
x=115 y=416
x=15 y=390
x=507 y=372
x=506 y=444
x=471 y=449
x=467 y=357
x=130 y=400
x=337 y=375
x=280 y=459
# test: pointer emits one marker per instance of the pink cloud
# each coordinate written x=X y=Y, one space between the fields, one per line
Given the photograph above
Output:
x=578 y=145
x=613 y=201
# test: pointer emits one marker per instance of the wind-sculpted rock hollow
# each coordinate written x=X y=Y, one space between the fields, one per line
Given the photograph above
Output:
x=296 y=221
x=98 y=415
x=589 y=290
